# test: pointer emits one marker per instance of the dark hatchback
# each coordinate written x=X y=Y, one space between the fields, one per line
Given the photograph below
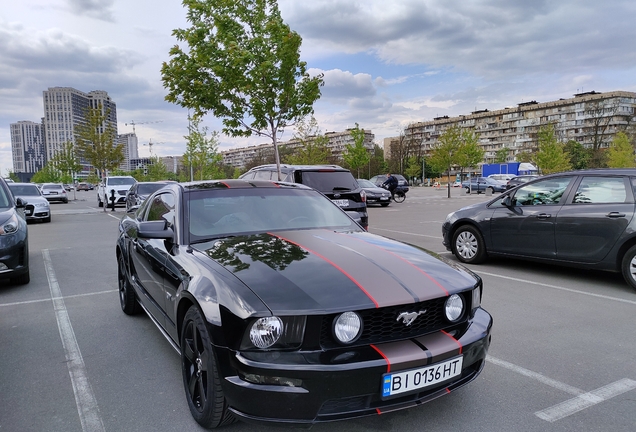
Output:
x=14 y=238
x=286 y=311
x=337 y=183
x=403 y=184
x=582 y=219
x=141 y=190
x=483 y=185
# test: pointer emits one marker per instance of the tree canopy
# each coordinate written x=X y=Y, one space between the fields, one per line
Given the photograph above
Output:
x=242 y=64
x=621 y=152
x=551 y=156
x=313 y=148
x=356 y=155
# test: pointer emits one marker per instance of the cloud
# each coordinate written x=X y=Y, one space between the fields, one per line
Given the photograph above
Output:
x=98 y=9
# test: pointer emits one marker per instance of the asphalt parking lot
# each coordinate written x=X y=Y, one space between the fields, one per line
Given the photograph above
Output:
x=561 y=359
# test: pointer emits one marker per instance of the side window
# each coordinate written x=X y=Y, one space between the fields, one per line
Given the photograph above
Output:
x=162 y=207
x=597 y=190
x=263 y=175
x=248 y=176
x=545 y=192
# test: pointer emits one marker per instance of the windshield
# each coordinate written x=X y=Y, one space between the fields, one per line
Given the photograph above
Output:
x=227 y=212
x=148 y=188
x=328 y=181
x=24 y=190
x=366 y=184
x=121 y=181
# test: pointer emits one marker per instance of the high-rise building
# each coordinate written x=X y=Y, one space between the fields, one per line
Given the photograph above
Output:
x=27 y=148
x=64 y=109
x=130 y=145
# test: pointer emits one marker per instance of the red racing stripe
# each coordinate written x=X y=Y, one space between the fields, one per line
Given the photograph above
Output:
x=456 y=341
x=333 y=264
x=388 y=363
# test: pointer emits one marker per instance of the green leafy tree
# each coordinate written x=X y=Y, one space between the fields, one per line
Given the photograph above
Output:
x=579 y=156
x=551 y=156
x=501 y=155
x=470 y=153
x=201 y=152
x=158 y=170
x=48 y=174
x=95 y=141
x=413 y=168
x=66 y=162
x=621 y=152
x=356 y=155
x=447 y=153
x=242 y=64
x=13 y=176
x=313 y=148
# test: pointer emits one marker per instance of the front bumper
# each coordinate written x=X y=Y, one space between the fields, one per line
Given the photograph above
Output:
x=346 y=383
x=14 y=254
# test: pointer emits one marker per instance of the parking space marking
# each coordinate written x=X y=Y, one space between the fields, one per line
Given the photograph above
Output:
x=407 y=233
x=586 y=400
x=605 y=297
x=84 y=398
x=49 y=298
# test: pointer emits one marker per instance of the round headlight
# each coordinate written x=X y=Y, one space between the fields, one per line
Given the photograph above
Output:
x=454 y=307
x=347 y=327
x=265 y=332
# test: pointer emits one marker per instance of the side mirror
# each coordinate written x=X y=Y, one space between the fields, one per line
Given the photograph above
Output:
x=20 y=203
x=155 y=230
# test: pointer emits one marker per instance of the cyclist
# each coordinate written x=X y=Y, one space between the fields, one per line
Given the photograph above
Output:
x=391 y=183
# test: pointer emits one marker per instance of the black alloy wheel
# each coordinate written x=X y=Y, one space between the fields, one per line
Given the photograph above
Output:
x=127 y=298
x=200 y=374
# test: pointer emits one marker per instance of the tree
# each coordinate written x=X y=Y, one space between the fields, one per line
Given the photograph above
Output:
x=13 y=176
x=621 y=152
x=579 y=156
x=313 y=148
x=66 y=162
x=446 y=154
x=413 y=168
x=551 y=156
x=501 y=155
x=95 y=141
x=48 y=174
x=242 y=64
x=470 y=153
x=356 y=155
x=201 y=152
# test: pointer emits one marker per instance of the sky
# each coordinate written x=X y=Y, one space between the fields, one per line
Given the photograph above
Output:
x=386 y=64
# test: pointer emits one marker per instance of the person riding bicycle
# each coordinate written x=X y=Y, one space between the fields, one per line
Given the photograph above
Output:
x=391 y=183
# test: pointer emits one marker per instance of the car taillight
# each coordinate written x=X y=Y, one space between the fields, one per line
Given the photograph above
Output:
x=363 y=196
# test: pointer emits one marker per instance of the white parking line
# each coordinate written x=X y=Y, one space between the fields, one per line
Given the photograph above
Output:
x=407 y=233
x=49 y=299
x=586 y=400
x=557 y=287
x=84 y=398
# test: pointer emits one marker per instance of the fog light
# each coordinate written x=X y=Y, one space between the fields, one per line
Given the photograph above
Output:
x=272 y=380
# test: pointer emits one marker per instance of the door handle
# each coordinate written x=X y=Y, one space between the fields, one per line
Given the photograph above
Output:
x=543 y=216
x=615 y=215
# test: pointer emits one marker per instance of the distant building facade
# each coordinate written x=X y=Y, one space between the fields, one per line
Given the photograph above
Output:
x=27 y=148
x=240 y=157
x=130 y=144
x=589 y=118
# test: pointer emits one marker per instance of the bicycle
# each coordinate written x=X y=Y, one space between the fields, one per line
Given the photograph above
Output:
x=397 y=196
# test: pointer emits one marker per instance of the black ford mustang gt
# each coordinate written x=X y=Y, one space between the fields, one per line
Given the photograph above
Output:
x=284 y=310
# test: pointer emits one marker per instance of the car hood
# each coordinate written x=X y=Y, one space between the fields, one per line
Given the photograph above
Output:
x=376 y=190
x=321 y=271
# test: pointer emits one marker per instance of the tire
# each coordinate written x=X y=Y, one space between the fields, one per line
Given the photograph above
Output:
x=99 y=202
x=628 y=267
x=399 y=197
x=127 y=298
x=66 y=201
x=200 y=373
x=468 y=245
x=48 y=219
x=467 y=190
x=23 y=279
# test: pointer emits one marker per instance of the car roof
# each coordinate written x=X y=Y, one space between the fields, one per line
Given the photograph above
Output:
x=239 y=184
x=299 y=167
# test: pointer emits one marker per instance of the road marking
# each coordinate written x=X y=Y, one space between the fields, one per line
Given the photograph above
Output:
x=586 y=400
x=49 y=299
x=407 y=233
x=557 y=287
x=84 y=398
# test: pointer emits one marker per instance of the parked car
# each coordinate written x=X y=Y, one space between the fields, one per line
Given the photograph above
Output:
x=68 y=187
x=375 y=194
x=403 y=184
x=581 y=219
x=516 y=181
x=337 y=183
x=141 y=190
x=14 y=238
x=54 y=192
x=502 y=177
x=284 y=310
x=36 y=206
x=114 y=186
x=483 y=185
x=83 y=186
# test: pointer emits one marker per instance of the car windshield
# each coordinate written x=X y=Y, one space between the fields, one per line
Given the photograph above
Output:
x=228 y=212
x=148 y=188
x=366 y=183
x=121 y=181
x=328 y=181
x=24 y=190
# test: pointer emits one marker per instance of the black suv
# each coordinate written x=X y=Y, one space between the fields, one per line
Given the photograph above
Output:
x=337 y=183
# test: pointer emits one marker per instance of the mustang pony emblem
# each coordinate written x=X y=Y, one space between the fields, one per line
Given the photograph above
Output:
x=408 y=317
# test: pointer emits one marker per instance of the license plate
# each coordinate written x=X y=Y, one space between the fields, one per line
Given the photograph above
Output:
x=415 y=379
x=28 y=212
x=384 y=198
x=52 y=193
x=341 y=203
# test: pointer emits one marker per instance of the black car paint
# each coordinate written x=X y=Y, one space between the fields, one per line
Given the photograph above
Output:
x=14 y=247
x=232 y=281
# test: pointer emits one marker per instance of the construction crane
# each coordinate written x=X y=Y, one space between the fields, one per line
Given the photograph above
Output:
x=150 y=144
x=132 y=123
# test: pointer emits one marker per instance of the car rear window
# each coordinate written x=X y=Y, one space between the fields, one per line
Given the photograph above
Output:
x=52 y=187
x=328 y=181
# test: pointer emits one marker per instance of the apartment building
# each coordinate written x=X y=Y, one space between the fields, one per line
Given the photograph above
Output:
x=130 y=144
x=27 y=148
x=240 y=157
x=590 y=118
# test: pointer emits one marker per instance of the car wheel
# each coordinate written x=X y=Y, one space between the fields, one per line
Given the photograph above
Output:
x=99 y=202
x=628 y=267
x=384 y=204
x=200 y=373
x=66 y=201
x=467 y=190
x=468 y=245
x=23 y=279
x=127 y=297
x=48 y=219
